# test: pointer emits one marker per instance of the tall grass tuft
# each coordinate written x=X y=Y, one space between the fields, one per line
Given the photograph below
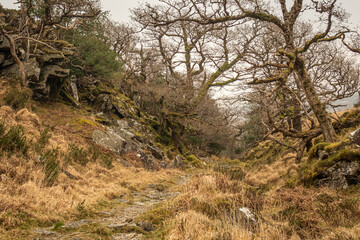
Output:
x=13 y=139
x=51 y=166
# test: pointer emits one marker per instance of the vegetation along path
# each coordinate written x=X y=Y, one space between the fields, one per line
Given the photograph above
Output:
x=119 y=220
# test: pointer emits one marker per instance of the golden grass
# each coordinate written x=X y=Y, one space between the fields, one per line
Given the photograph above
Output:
x=275 y=172
x=26 y=202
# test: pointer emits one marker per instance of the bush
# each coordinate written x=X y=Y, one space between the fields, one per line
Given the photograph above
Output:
x=13 y=140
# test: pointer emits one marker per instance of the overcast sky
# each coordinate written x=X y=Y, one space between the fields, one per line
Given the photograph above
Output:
x=119 y=9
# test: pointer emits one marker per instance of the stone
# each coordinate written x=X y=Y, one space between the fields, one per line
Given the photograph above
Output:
x=104 y=103
x=117 y=226
x=32 y=70
x=9 y=61
x=123 y=124
x=340 y=176
x=156 y=152
x=127 y=236
x=323 y=155
x=355 y=137
x=123 y=132
x=147 y=161
x=124 y=163
x=248 y=219
x=10 y=70
x=74 y=88
x=49 y=82
x=55 y=71
x=163 y=164
x=146 y=226
x=105 y=213
x=77 y=224
x=178 y=162
x=45 y=232
x=5 y=45
x=120 y=111
x=109 y=140
x=53 y=58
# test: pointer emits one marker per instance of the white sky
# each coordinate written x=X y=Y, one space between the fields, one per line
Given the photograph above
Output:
x=119 y=9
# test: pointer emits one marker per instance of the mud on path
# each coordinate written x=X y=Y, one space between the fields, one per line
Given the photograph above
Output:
x=117 y=223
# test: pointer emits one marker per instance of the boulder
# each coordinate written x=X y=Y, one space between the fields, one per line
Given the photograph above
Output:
x=146 y=226
x=124 y=163
x=4 y=44
x=55 y=71
x=122 y=113
x=156 y=152
x=104 y=103
x=340 y=176
x=50 y=81
x=146 y=160
x=109 y=140
x=32 y=70
x=355 y=137
x=178 y=162
x=8 y=62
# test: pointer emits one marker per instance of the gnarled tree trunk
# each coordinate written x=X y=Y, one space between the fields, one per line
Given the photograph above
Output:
x=314 y=101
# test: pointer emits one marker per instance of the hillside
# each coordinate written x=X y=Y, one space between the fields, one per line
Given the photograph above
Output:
x=58 y=183
x=202 y=120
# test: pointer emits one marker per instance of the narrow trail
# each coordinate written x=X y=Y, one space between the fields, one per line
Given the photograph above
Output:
x=118 y=223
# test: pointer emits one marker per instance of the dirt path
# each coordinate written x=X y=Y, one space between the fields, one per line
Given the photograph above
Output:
x=118 y=223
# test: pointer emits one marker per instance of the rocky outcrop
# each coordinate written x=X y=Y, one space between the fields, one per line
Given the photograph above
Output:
x=178 y=162
x=340 y=176
x=45 y=72
x=123 y=137
x=110 y=140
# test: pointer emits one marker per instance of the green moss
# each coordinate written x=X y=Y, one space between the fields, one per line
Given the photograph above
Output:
x=310 y=170
x=86 y=121
x=194 y=161
x=333 y=147
x=313 y=152
x=58 y=226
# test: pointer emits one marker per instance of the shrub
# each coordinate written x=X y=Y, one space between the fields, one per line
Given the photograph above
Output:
x=13 y=140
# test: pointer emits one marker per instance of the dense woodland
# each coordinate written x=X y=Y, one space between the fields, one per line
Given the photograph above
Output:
x=246 y=89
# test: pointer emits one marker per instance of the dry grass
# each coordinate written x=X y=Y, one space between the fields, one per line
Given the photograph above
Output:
x=25 y=200
x=207 y=209
x=275 y=173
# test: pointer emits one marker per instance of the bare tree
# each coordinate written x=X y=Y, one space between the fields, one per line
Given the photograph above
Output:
x=209 y=54
x=285 y=19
